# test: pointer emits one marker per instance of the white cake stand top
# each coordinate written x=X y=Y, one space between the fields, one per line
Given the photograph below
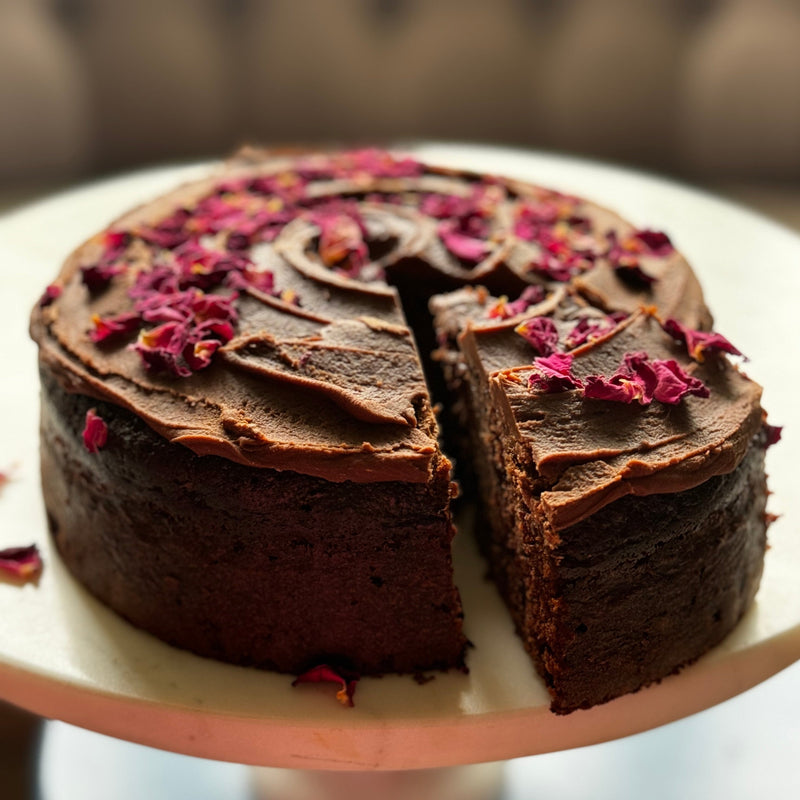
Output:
x=64 y=655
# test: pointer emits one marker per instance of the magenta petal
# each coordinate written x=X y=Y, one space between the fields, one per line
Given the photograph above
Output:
x=97 y=276
x=462 y=246
x=541 y=333
x=378 y=164
x=198 y=356
x=24 y=563
x=774 y=433
x=170 y=232
x=325 y=674
x=553 y=374
x=636 y=367
x=551 y=268
x=51 y=293
x=616 y=388
x=638 y=378
x=95 y=432
x=698 y=343
x=656 y=242
x=114 y=327
x=341 y=240
x=587 y=330
x=503 y=309
x=674 y=383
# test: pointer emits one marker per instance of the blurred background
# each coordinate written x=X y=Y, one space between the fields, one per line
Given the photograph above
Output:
x=704 y=90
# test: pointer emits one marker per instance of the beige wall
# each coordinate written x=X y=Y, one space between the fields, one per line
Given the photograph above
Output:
x=707 y=88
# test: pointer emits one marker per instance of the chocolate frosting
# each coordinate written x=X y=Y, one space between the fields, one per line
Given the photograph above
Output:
x=333 y=386
x=585 y=453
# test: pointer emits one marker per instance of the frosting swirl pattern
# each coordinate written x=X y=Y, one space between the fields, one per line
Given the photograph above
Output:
x=257 y=314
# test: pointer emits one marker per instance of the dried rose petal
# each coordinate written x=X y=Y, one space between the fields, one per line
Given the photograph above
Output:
x=253 y=218
x=220 y=328
x=461 y=245
x=531 y=218
x=698 y=343
x=551 y=268
x=640 y=379
x=503 y=309
x=95 y=432
x=97 y=276
x=587 y=330
x=656 y=242
x=624 y=258
x=262 y=280
x=553 y=374
x=199 y=355
x=541 y=333
x=378 y=164
x=159 y=278
x=161 y=348
x=774 y=433
x=115 y=242
x=618 y=388
x=170 y=232
x=113 y=327
x=341 y=240
x=674 y=383
x=24 y=563
x=325 y=674
x=534 y=220
x=237 y=241
x=445 y=206
x=199 y=267
x=49 y=295
x=213 y=307
x=559 y=258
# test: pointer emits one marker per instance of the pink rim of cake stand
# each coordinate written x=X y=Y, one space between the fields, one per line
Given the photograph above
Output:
x=65 y=656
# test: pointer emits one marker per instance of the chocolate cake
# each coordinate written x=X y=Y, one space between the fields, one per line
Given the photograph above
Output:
x=239 y=451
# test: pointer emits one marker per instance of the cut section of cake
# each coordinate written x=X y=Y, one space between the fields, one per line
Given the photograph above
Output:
x=622 y=484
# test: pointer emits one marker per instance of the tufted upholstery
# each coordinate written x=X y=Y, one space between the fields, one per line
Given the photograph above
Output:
x=708 y=88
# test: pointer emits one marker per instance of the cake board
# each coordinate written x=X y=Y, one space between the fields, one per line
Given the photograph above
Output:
x=65 y=656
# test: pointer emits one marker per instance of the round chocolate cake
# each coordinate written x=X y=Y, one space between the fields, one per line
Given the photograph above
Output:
x=240 y=452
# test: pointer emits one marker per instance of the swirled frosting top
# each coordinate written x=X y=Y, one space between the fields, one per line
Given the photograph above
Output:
x=256 y=314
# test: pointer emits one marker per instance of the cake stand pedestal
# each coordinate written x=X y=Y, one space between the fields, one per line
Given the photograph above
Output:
x=75 y=764
x=65 y=656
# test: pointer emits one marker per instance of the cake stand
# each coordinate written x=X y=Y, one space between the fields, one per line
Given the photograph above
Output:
x=65 y=656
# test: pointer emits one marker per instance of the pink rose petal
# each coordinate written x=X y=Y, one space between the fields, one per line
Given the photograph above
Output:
x=23 y=563
x=51 y=293
x=541 y=333
x=95 y=432
x=553 y=374
x=698 y=343
x=325 y=674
